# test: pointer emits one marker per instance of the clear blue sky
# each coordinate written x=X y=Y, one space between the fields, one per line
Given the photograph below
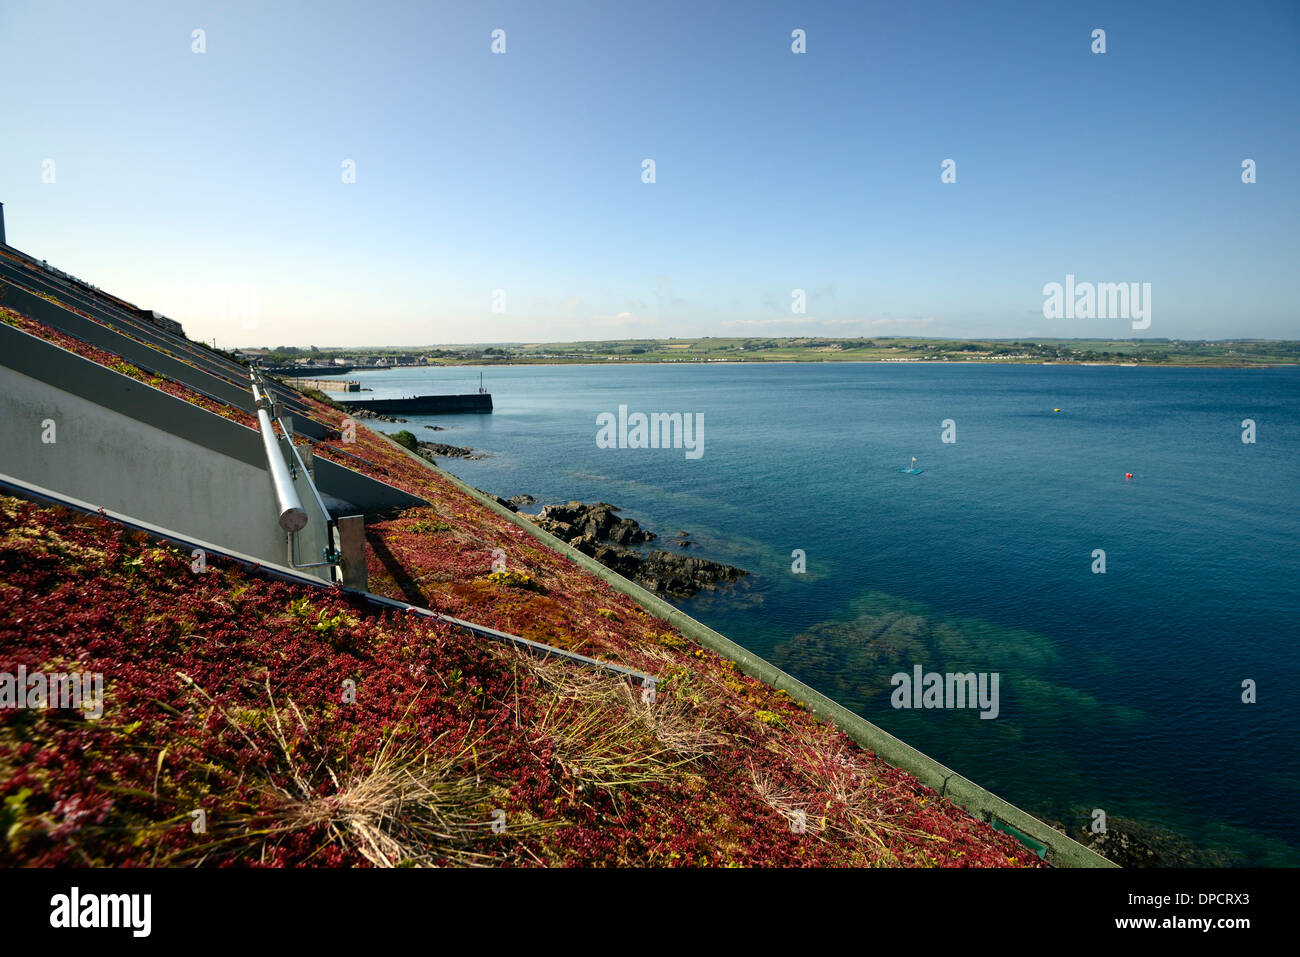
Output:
x=194 y=182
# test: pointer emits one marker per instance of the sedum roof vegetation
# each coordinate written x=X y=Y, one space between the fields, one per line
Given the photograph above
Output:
x=255 y=722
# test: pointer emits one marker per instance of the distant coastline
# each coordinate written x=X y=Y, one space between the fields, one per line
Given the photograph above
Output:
x=1226 y=354
x=929 y=362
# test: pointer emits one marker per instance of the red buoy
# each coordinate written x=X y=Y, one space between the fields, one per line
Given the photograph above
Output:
x=1128 y=475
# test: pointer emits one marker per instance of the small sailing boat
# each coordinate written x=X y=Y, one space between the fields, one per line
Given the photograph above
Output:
x=912 y=470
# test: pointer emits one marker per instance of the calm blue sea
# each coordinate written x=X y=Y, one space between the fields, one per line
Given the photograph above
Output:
x=1119 y=691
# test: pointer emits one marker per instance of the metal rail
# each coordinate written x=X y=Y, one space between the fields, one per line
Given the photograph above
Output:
x=289 y=465
x=292 y=515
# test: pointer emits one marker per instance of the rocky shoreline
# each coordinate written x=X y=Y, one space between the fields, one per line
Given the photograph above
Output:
x=430 y=449
x=597 y=530
x=427 y=450
x=376 y=416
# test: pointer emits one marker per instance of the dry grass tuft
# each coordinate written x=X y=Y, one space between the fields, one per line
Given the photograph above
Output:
x=408 y=808
x=607 y=731
x=843 y=799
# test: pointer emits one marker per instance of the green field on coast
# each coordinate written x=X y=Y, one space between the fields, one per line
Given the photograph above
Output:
x=1234 y=353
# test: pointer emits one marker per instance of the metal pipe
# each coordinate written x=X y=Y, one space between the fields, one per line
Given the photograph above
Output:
x=292 y=515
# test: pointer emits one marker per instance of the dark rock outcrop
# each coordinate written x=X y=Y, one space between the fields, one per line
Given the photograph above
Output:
x=592 y=524
x=685 y=575
x=430 y=449
x=377 y=416
x=511 y=503
x=597 y=531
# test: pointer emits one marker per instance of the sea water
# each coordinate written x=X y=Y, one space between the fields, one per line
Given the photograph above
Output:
x=1120 y=690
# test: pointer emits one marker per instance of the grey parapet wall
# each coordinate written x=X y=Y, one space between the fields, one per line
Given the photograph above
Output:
x=121 y=444
x=124 y=445
x=368 y=495
x=153 y=354
x=1059 y=849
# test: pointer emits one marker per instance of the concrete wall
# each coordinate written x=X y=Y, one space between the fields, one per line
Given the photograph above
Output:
x=36 y=280
x=119 y=423
x=365 y=493
x=125 y=445
x=110 y=459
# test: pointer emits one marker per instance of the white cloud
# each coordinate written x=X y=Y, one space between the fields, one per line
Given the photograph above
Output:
x=621 y=320
x=903 y=323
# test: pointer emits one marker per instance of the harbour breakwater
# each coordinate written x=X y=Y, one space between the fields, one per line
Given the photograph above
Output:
x=425 y=404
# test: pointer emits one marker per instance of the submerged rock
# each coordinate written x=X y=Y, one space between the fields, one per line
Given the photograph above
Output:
x=1123 y=848
x=1131 y=843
